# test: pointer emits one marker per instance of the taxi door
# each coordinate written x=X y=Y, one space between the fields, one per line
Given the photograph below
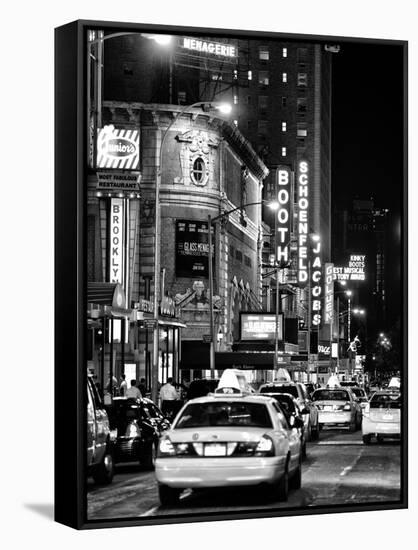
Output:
x=293 y=438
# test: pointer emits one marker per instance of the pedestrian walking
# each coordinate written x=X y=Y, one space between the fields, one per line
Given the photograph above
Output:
x=123 y=387
x=168 y=396
x=133 y=392
x=142 y=387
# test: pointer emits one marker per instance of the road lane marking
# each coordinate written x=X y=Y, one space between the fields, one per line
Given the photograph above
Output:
x=151 y=511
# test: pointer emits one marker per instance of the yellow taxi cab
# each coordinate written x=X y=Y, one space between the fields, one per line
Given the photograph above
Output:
x=382 y=416
x=337 y=405
x=229 y=438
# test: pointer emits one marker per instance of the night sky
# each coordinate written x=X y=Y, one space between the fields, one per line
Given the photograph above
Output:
x=367 y=138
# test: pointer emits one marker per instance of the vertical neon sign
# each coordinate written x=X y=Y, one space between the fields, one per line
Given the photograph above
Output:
x=303 y=225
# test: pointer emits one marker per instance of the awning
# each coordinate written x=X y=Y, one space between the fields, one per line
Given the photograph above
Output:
x=106 y=299
x=171 y=323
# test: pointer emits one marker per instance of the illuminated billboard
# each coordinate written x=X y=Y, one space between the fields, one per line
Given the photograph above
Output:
x=192 y=248
x=303 y=224
x=316 y=283
x=261 y=326
x=117 y=148
x=329 y=293
x=283 y=214
x=354 y=271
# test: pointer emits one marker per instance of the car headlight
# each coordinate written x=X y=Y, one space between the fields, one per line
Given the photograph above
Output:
x=265 y=447
x=347 y=407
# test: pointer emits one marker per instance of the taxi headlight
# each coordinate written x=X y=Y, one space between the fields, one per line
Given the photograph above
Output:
x=165 y=448
x=265 y=447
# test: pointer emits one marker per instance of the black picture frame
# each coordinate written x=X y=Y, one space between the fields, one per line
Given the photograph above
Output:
x=71 y=281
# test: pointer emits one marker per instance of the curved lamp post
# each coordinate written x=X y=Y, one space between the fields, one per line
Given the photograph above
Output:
x=206 y=106
x=274 y=206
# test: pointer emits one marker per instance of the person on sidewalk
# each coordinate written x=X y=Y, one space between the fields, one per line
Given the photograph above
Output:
x=123 y=387
x=133 y=392
x=168 y=396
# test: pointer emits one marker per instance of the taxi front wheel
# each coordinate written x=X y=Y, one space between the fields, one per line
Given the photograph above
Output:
x=168 y=495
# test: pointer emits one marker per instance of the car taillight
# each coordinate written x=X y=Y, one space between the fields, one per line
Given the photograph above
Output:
x=265 y=447
x=166 y=448
x=133 y=431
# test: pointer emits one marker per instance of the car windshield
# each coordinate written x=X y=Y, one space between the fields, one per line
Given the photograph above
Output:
x=224 y=413
x=281 y=389
x=330 y=395
x=386 y=401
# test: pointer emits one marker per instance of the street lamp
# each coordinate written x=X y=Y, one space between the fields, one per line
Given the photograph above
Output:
x=205 y=106
x=274 y=206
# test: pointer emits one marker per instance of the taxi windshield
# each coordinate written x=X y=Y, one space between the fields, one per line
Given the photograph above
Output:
x=330 y=395
x=224 y=413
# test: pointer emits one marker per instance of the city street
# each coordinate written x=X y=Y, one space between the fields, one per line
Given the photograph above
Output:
x=338 y=469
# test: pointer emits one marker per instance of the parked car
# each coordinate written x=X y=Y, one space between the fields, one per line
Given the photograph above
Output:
x=139 y=424
x=229 y=439
x=338 y=406
x=307 y=407
x=382 y=416
x=100 y=438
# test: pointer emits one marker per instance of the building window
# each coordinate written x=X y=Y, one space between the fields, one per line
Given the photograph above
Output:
x=235 y=99
x=302 y=55
x=284 y=52
x=263 y=102
x=284 y=77
x=284 y=151
x=263 y=78
x=302 y=79
x=284 y=101
x=198 y=170
x=284 y=126
x=301 y=105
x=249 y=125
x=238 y=255
x=248 y=100
x=263 y=53
x=302 y=130
x=232 y=250
x=250 y=75
x=262 y=127
x=247 y=261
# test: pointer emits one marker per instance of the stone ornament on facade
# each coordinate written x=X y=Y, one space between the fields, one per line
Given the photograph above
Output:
x=195 y=157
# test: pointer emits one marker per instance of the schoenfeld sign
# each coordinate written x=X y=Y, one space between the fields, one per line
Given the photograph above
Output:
x=192 y=248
